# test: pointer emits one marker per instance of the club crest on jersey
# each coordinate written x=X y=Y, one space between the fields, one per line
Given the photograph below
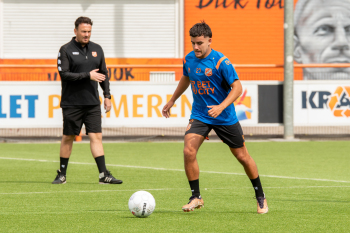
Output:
x=208 y=72
x=94 y=54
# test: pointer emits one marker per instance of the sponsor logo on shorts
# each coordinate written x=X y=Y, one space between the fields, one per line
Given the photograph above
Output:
x=189 y=125
x=94 y=54
x=75 y=53
x=208 y=72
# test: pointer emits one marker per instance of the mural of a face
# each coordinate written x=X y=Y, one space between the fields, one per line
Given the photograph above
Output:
x=322 y=35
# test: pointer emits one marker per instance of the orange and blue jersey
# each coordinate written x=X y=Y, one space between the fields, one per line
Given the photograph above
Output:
x=210 y=78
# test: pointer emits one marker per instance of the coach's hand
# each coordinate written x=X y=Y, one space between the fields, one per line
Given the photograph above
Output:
x=215 y=110
x=107 y=105
x=97 y=76
x=166 y=109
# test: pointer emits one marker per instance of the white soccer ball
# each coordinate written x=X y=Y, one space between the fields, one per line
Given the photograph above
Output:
x=142 y=204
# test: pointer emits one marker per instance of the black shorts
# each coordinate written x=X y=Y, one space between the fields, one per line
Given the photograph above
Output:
x=232 y=135
x=74 y=118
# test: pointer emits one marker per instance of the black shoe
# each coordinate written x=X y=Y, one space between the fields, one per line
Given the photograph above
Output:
x=107 y=178
x=60 y=178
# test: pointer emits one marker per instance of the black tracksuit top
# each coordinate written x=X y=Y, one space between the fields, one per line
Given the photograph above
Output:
x=74 y=64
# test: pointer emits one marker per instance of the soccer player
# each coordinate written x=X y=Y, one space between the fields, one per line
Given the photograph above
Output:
x=215 y=86
x=81 y=65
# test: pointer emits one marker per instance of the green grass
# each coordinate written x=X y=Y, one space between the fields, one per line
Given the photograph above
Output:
x=30 y=203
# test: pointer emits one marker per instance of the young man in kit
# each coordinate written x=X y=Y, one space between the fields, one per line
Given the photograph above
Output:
x=81 y=65
x=215 y=86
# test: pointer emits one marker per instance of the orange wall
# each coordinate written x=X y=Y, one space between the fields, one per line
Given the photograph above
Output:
x=246 y=35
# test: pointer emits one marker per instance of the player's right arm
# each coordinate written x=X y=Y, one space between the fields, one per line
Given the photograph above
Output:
x=181 y=88
x=67 y=75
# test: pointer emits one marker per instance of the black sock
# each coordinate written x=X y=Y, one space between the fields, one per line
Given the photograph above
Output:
x=257 y=187
x=194 y=184
x=63 y=165
x=101 y=164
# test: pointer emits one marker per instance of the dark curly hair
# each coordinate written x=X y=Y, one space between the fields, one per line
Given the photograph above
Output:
x=201 y=29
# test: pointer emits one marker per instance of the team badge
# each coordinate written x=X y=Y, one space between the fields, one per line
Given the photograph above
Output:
x=94 y=54
x=208 y=72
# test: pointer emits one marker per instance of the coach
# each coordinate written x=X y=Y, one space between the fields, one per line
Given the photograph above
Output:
x=81 y=65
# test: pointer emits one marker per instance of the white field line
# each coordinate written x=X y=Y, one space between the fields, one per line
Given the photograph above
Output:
x=85 y=191
x=181 y=170
x=169 y=189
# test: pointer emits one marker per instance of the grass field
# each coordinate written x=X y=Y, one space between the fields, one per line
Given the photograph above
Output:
x=307 y=185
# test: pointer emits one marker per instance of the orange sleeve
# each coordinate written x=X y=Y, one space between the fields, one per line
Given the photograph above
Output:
x=219 y=62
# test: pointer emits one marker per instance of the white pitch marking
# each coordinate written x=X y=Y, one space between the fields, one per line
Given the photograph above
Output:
x=181 y=170
x=87 y=191
x=166 y=189
x=305 y=187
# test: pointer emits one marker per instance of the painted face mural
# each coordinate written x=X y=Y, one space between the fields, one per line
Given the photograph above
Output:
x=322 y=35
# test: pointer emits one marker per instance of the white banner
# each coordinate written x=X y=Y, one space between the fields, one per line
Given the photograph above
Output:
x=134 y=104
x=321 y=103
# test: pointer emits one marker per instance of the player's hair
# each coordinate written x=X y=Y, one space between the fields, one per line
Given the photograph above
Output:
x=200 y=29
x=82 y=19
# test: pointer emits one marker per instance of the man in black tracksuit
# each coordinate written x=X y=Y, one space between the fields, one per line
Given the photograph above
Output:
x=81 y=65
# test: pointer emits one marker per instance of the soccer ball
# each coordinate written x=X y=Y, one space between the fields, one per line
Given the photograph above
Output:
x=142 y=204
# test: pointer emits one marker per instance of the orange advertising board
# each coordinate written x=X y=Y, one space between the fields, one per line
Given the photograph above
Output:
x=245 y=31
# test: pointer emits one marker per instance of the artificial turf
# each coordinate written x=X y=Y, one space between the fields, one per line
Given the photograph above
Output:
x=306 y=184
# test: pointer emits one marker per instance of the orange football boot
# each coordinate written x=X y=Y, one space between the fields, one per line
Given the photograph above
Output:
x=262 y=205
x=194 y=203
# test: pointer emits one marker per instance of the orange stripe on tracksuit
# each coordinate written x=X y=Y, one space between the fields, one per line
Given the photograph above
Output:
x=219 y=62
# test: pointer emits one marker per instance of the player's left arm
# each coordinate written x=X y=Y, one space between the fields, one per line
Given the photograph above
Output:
x=235 y=92
x=105 y=84
x=229 y=74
